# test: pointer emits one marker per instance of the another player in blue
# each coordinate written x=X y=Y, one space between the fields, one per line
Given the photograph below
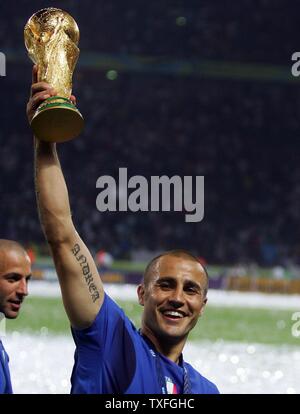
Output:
x=112 y=356
x=15 y=271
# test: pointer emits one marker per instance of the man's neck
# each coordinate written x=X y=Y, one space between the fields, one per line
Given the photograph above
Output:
x=170 y=349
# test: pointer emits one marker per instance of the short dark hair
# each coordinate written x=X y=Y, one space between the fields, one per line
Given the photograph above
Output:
x=176 y=253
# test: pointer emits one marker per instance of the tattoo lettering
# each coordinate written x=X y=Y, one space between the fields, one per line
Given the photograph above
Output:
x=95 y=296
x=88 y=277
x=81 y=259
x=92 y=288
x=76 y=249
x=85 y=269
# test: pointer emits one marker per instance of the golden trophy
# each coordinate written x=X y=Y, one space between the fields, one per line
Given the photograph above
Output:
x=51 y=39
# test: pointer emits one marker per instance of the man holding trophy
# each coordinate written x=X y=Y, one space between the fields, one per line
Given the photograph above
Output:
x=112 y=356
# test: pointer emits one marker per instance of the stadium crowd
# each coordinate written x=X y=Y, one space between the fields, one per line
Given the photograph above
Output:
x=263 y=31
x=241 y=135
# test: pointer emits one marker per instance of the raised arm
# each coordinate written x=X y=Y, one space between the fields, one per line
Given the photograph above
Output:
x=81 y=286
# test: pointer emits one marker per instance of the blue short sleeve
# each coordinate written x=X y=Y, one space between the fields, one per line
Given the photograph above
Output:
x=105 y=358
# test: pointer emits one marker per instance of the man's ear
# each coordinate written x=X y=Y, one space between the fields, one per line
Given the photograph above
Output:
x=141 y=294
x=203 y=307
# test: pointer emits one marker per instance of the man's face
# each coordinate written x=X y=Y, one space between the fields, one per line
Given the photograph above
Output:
x=15 y=271
x=174 y=298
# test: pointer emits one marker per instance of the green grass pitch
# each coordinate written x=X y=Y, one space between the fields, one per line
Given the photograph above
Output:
x=217 y=323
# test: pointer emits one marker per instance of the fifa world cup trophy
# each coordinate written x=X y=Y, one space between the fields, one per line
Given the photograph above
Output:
x=51 y=39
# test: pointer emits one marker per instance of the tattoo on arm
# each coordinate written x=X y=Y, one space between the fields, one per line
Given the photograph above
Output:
x=88 y=277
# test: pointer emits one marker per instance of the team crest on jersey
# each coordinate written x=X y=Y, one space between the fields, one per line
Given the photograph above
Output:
x=171 y=387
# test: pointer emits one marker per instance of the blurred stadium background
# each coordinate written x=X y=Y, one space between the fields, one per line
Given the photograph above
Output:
x=170 y=88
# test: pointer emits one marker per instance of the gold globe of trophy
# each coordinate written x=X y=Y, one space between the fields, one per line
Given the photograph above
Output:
x=51 y=39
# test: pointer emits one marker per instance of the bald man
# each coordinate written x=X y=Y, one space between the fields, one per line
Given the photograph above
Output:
x=112 y=356
x=15 y=271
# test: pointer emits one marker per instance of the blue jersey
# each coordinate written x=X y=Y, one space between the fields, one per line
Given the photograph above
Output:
x=112 y=357
x=5 y=382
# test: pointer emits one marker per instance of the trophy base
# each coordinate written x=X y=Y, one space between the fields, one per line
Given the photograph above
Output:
x=57 y=120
